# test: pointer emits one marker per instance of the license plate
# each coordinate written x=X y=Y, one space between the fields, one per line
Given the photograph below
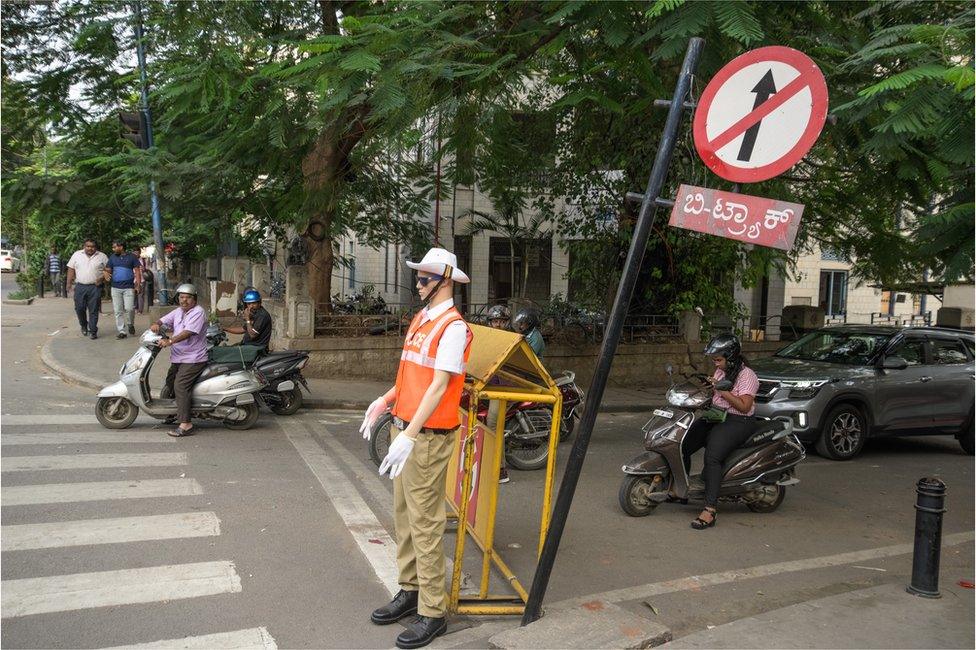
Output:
x=664 y=414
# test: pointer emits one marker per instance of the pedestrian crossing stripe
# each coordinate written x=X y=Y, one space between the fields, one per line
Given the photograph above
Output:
x=89 y=461
x=28 y=596
x=256 y=637
x=119 y=530
x=21 y=495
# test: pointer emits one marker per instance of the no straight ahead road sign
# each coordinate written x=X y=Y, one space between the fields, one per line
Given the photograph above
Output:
x=760 y=114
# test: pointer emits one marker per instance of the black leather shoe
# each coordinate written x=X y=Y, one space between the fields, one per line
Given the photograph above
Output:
x=92 y=335
x=421 y=633
x=403 y=604
x=132 y=330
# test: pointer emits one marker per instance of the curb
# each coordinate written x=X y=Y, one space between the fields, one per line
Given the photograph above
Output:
x=66 y=374
x=12 y=301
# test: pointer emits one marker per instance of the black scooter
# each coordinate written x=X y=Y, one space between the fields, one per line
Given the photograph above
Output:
x=282 y=370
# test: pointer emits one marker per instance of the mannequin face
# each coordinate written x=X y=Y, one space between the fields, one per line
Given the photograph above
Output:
x=426 y=282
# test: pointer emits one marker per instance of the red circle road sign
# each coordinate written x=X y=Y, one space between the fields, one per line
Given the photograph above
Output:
x=760 y=114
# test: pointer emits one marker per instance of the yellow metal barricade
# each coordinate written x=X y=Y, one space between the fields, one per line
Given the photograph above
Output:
x=501 y=367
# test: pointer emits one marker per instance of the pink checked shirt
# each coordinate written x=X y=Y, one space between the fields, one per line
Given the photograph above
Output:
x=747 y=383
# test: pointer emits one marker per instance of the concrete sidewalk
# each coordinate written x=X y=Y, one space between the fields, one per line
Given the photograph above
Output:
x=879 y=617
x=95 y=364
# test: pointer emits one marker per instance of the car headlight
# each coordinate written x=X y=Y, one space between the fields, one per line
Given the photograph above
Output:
x=804 y=389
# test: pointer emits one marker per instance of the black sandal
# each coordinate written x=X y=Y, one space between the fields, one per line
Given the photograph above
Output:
x=700 y=524
x=179 y=432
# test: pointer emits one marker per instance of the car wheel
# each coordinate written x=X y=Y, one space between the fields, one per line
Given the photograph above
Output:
x=966 y=435
x=844 y=433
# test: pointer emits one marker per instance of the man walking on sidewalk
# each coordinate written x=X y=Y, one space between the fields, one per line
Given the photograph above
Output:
x=425 y=404
x=125 y=273
x=54 y=271
x=85 y=276
x=188 y=358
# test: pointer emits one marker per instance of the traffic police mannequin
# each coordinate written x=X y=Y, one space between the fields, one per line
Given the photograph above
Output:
x=425 y=402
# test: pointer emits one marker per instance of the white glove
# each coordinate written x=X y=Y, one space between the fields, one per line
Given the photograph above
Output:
x=397 y=456
x=376 y=409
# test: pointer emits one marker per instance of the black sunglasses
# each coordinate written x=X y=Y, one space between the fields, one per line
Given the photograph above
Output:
x=424 y=280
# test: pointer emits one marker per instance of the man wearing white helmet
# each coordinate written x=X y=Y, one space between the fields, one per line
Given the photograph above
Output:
x=188 y=356
x=425 y=403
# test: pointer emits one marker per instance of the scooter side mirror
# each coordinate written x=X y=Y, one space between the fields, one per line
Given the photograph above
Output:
x=725 y=384
x=669 y=369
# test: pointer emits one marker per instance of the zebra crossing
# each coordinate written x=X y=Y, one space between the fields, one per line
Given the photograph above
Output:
x=36 y=449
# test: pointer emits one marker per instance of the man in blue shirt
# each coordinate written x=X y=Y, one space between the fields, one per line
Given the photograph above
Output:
x=54 y=270
x=125 y=272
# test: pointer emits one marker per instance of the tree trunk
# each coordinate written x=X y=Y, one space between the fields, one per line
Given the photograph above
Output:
x=324 y=169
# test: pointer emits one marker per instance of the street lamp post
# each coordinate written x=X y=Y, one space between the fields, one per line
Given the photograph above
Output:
x=157 y=219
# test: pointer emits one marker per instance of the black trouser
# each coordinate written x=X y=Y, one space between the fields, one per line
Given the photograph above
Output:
x=719 y=440
x=179 y=383
x=87 y=298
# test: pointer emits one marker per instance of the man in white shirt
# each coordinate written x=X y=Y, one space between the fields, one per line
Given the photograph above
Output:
x=86 y=275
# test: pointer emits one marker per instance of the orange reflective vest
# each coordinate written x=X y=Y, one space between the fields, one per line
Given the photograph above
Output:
x=416 y=372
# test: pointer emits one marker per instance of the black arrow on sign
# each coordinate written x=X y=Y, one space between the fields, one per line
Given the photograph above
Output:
x=764 y=90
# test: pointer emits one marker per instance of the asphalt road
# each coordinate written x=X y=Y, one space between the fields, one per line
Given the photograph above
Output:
x=303 y=524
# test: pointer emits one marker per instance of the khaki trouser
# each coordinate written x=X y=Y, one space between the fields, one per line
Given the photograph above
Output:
x=419 y=518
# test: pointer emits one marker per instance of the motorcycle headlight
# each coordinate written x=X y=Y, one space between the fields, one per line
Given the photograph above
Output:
x=804 y=389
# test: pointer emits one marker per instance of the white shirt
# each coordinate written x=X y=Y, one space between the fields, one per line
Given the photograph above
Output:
x=450 y=350
x=88 y=270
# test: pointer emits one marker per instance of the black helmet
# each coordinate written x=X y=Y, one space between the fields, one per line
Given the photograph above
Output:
x=725 y=345
x=499 y=312
x=525 y=321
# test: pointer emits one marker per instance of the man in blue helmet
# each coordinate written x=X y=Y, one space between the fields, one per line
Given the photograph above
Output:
x=257 y=322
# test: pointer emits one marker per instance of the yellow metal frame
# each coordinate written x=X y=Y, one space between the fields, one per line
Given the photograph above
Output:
x=540 y=388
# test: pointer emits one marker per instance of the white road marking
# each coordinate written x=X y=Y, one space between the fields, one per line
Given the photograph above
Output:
x=255 y=637
x=109 y=588
x=47 y=418
x=108 y=531
x=84 y=437
x=90 y=461
x=373 y=540
x=22 y=495
x=697 y=582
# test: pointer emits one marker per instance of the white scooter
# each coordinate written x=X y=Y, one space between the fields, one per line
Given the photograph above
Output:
x=223 y=391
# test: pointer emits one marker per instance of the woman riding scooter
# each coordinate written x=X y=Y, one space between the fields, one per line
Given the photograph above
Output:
x=730 y=423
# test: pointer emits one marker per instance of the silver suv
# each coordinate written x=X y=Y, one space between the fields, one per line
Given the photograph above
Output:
x=841 y=385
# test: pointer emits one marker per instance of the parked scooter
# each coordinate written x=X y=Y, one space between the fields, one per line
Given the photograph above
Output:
x=756 y=473
x=527 y=427
x=281 y=370
x=221 y=392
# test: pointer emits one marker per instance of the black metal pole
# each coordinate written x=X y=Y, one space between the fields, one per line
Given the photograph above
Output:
x=929 y=508
x=659 y=172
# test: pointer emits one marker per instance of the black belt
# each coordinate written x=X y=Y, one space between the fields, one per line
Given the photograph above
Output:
x=403 y=424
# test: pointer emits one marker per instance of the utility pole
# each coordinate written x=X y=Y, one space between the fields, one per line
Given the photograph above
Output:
x=650 y=203
x=157 y=219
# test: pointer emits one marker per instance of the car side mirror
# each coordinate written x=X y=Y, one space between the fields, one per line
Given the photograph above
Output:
x=894 y=363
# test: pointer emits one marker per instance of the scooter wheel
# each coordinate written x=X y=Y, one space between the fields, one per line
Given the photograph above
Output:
x=251 y=416
x=767 y=499
x=290 y=402
x=635 y=496
x=115 y=412
x=379 y=438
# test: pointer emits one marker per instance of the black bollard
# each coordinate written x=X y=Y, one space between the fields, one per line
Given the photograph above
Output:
x=928 y=537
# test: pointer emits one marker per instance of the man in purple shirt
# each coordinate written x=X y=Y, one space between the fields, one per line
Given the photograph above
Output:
x=188 y=357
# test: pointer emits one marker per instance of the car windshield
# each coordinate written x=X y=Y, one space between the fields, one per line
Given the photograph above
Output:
x=851 y=348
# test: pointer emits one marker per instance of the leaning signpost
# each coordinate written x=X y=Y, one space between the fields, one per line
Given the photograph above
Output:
x=757 y=118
